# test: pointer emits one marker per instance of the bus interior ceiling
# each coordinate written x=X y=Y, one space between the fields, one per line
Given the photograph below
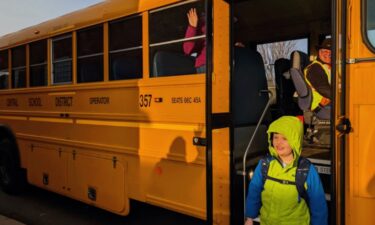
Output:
x=275 y=20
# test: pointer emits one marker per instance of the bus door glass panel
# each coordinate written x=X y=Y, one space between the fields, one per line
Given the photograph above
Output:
x=90 y=54
x=62 y=60
x=277 y=58
x=370 y=22
x=19 y=67
x=125 y=48
x=174 y=50
x=38 y=63
x=4 y=73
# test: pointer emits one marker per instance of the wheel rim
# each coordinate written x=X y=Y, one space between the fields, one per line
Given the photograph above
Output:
x=4 y=175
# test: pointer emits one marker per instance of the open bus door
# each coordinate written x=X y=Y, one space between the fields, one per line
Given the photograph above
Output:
x=360 y=154
x=341 y=121
x=217 y=111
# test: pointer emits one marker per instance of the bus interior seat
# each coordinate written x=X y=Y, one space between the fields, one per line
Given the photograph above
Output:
x=298 y=78
x=318 y=131
x=90 y=72
x=171 y=63
x=126 y=68
x=3 y=81
x=248 y=103
x=285 y=103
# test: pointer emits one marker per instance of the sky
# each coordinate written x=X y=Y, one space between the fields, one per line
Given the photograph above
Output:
x=18 y=14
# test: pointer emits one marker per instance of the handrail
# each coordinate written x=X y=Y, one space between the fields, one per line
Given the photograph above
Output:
x=249 y=145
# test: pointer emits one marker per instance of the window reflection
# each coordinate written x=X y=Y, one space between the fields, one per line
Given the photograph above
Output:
x=125 y=47
x=4 y=74
x=19 y=67
x=62 y=59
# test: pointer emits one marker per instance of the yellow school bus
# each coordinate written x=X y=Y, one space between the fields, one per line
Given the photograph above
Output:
x=105 y=105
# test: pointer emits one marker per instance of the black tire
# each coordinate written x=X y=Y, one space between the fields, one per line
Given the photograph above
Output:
x=12 y=177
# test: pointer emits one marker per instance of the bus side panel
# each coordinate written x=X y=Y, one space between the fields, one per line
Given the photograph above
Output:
x=149 y=129
x=174 y=183
x=49 y=174
x=98 y=180
x=173 y=173
x=361 y=202
x=89 y=176
x=360 y=179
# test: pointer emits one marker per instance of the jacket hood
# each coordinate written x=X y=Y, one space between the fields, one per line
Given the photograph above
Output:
x=292 y=128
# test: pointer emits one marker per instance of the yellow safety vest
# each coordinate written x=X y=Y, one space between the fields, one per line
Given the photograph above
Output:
x=316 y=97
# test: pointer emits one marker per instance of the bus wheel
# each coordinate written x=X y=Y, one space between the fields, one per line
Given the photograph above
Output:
x=12 y=178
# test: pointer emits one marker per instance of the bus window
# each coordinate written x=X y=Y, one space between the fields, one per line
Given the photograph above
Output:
x=272 y=51
x=167 y=37
x=370 y=22
x=276 y=57
x=19 y=67
x=90 y=54
x=38 y=63
x=4 y=69
x=62 y=59
x=125 y=48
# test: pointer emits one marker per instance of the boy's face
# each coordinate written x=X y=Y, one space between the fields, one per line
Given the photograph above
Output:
x=281 y=145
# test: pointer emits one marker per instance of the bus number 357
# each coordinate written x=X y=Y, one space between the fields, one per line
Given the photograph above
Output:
x=145 y=100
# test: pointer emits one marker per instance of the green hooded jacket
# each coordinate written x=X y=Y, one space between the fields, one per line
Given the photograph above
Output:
x=280 y=204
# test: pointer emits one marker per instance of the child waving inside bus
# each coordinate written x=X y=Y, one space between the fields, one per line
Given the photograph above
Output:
x=274 y=191
x=197 y=26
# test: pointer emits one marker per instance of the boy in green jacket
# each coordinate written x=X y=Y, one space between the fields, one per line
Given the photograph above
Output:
x=274 y=198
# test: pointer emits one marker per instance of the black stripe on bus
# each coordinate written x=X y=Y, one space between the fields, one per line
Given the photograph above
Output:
x=221 y=120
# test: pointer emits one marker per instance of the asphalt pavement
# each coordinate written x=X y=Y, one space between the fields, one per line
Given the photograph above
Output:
x=8 y=221
x=39 y=207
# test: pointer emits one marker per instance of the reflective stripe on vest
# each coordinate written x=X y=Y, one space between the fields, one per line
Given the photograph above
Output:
x=316 y=97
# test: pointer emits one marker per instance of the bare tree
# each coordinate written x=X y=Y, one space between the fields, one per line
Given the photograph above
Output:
x=271 y=52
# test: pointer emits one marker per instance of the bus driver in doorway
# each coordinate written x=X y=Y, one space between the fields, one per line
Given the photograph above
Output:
x=318 y=77
x=273 y=193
